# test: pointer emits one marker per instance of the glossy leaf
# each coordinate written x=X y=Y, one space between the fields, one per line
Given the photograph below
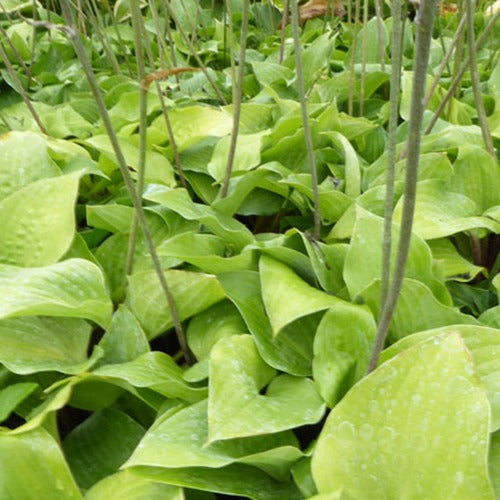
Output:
x=180 y=440
x=32 y=466
x=100 y=445
x=417 y=309
x=154 y=370
x=287 y=297
x=74 y=287
x=12 y=395
x=484 y=346
x=366 y=247
x=440 y=212
x=33 y=344
x=37 y=222
x=407 y=418
x=246 y=157
x=125 y=485
x=291 y=350
x=124 y=339
x=28 y=151
x=235 y=479
x=235 y=407
x=192 y=293
x=342 y=348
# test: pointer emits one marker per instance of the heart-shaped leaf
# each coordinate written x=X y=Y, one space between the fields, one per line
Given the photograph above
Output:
x=422 y=414
x=37 y=222
x=483 y=344
x=235 y=407
x=192 y=293
x=74 y=287
x=286 y=296
x=32 y=466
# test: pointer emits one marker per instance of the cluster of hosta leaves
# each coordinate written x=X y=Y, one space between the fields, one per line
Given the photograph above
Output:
x=95 y=399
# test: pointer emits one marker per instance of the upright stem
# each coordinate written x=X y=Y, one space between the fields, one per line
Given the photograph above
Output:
x=122 y=164
x=380 y=23
x=194 y=53
x=444 y=62
x=284 y=22
x=232 y=49
x=396 y=58
x=363 y=59
x=352 y=76
x=237 y=99
x=461 y=72
x=481 y=113
x=143 y=118
x=305 y=117
x=425 y=22
x=20 y=89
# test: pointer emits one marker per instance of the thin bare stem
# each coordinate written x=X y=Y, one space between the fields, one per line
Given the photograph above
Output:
x=481 y=113
x=380 y=37
x=363 y=59
x=229 y=8
x=143 y=124
x=96 y=23
x=170 y=37
x=396 y=59
x=122 y=164
x=237 y=101
x=354 y=46
x=20 y=89
x=170 y=131
x=197 y=58
x=425 y=22
x=284 y=22
x=305 y=117
x=444 y=62
x=458 y=77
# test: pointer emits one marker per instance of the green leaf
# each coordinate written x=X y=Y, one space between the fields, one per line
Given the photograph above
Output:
x=476 y=175
x=100 y=445
x=246 y=157
x=32 y=466
x=235 y=407
x=124 y=339
x=423 y=411
x=158 y=168
x=291 y=351
x=363 y=262
x=352 y=174
x=12 y=395
x=235 y=234
x=37 y=222
x=156 y=371
x=287 y=297
x=35 y=344
x=190 y=124
x=268 y=73
x=114 y=218
x=27 y=151
x=180 y=440
x=126 y=485
x=440 y=212
x=207 y=328
x=74 y=287
x=455 y=266
x=235 y=479
x=192 y=293
x=494 y=462
x=342 y=348
x=417 y=309
x=483 y=344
